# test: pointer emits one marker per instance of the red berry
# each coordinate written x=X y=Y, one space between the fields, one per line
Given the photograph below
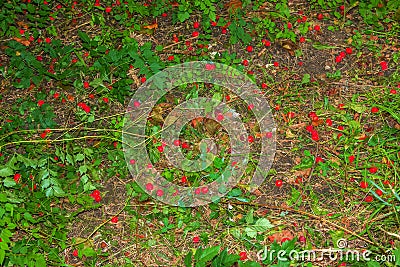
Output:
x=85 y=85
x=329 y=122
x=17 y=176
x=196 y=24
x=302 y=239
x=160 y=193
x=290 y=115
x=195 y=34
x=227 y=98
x=210 y=66
x=302 y=39
x=177 y=142
x=276 y=64
x=224 y=31
x=363 y=184
x=266 y=42
x=250 y=138
x=338 y=59
x=149 y=187
x=220 y=117
x=108 y=9
x=105 y=99
x=170 y=58
x=48 y=40
x=373 y=170
x=289 y=25
x=245 y=62
x=143 y=79
x=185 y=145
x=204 y=190
x=320 y=16
x=75 y=253
x=379 y=192
x=164 y=14
x=309 y=128
x=374 y=109
x=184 y=179
x=317 y=27
x=315 y=136
x=384 y=65
x=278 y=183
x=132 y=161
x=196 y=239
x=160 y=148
x=250 y=107
x=393 y=91
x=269 y=135
x=319 y=159
x=243 y=255
x=349 y=51
x=264 y=85
x=114 y=219
x=40 y=103
x=351 y=158
x=369 y=199
x=341 y=7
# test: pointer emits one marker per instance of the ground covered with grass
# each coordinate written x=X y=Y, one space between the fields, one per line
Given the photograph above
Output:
x=329 y=71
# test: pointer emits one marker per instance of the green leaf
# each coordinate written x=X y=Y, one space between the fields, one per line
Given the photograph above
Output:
x=373 y=264
x=249 y=217
x=306 y=78
x=209 y=253
x=261 y=225
x=79 y=157
x=40 y=261
x=2 y=255
x=225 y=260
x=188 y=259
x=6 y=171
x=9 y=182
x=396 y=253
x=249 y=264
x=89 y=252
x=84 y=36
x=83 y=169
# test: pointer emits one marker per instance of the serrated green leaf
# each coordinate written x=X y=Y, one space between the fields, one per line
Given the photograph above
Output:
x=209 y=253
x=83 y=169
x=40 y=261
x=9 y=182
x=6 y=171
x=79 y=157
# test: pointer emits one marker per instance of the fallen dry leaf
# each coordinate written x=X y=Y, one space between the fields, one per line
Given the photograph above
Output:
x=278 y=237
x=151 y=26
x=22 y=41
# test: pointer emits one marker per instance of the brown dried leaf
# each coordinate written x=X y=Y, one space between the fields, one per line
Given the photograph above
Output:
x=234 y=5
x=278 y=237
x=22 y=24
x=151 y=26
x=22 y=41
